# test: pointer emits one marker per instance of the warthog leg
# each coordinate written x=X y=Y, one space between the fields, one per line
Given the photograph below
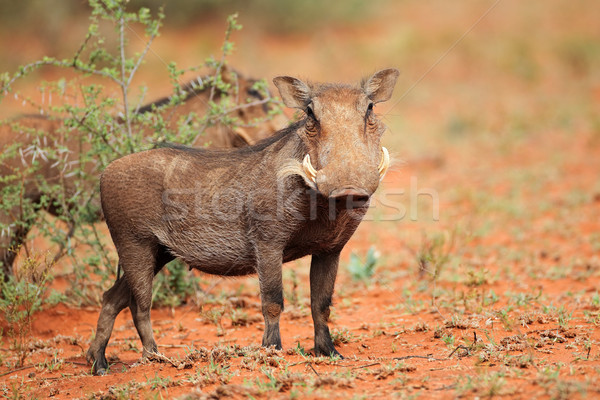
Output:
x=143 y=263
x=141 y=303
x=139 y=265
x=271 y=293
x=114 y=300
x=323 y=270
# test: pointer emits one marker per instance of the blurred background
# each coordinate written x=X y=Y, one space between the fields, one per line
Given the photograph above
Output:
x=524 y=62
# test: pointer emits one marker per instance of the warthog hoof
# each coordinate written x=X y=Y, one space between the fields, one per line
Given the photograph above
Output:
x=333 y=353
x=327 y=351
x=98 y=362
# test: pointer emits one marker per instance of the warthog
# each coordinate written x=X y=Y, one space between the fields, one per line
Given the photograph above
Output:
x=301 y=192
x=253 y=126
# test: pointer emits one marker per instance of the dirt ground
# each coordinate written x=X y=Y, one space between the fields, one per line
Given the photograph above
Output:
x=487 y=228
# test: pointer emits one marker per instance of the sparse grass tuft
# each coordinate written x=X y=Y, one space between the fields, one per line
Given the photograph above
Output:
x=21 y=295
x=363 y=270
x=435 y=253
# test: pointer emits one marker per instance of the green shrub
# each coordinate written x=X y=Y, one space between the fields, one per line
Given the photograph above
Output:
x=21 y=295
x=106 y=126
x=174 y=285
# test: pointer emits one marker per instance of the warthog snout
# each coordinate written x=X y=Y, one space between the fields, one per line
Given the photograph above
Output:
x=382 y=168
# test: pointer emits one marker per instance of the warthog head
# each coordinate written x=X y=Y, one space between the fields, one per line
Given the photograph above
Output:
x=342 y=134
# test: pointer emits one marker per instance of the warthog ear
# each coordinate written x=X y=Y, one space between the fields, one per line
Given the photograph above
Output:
x=294 y=92
x=240 y=138
x=380 y=86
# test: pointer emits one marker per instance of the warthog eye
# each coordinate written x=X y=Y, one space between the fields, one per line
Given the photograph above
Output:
x=312 y=125
x=371 y=120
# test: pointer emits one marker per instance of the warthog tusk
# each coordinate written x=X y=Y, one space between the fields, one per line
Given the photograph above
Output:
x=384 y=164
x=309 y=170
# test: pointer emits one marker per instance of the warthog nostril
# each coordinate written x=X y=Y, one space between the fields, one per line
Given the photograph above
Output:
x=351 y=196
